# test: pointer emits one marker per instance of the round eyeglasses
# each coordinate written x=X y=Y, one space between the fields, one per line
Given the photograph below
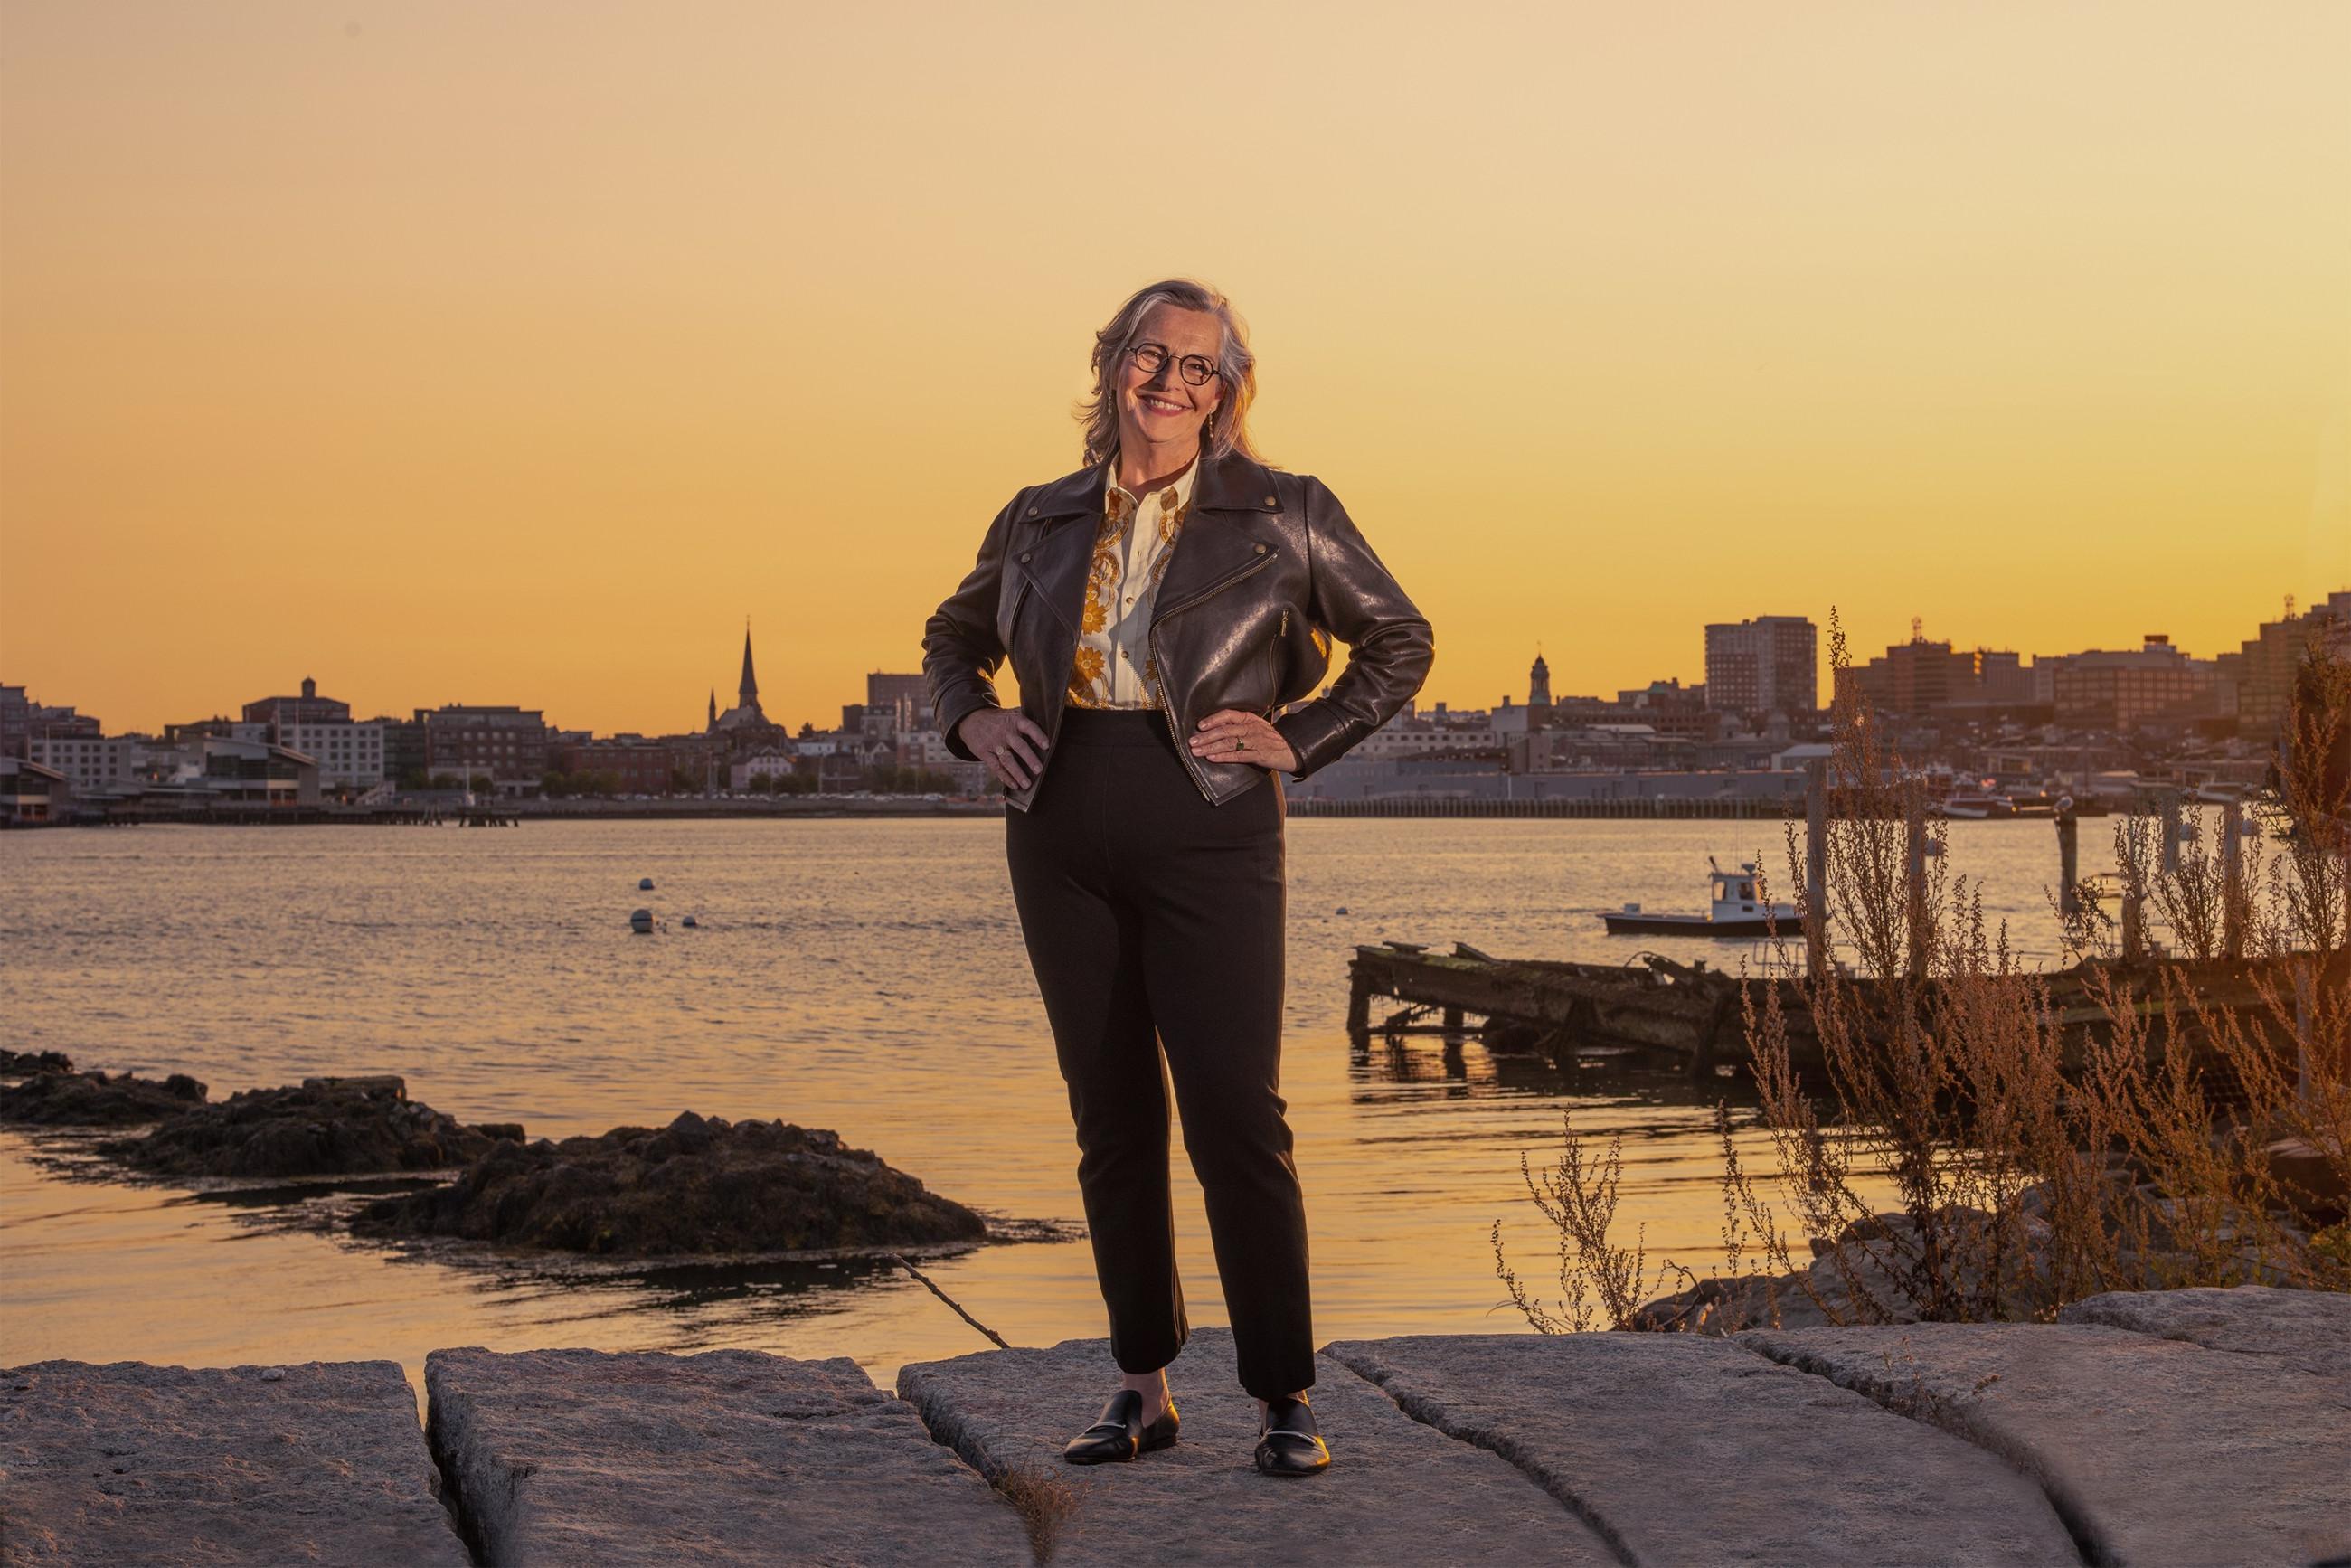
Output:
x=1196 y=369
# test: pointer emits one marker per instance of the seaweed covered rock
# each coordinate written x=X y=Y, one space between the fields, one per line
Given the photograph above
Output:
x=28 y=1063
x=327 y=1126
x=700 y=1185
x=97 y=1099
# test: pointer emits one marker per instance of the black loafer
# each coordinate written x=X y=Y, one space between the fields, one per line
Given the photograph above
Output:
x=1121 y=1433
x=1289 y=1444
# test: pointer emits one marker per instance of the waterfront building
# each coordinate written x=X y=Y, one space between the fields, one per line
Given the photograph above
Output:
x=21 y=719
x=350 y=756
x=768 y=764
x=218 y=727
x=641 y=766
x=308 y=708
x=403 y=751
x=1358 y=778
x=90 y=762
x=1769 y=665
x=1438 y=733
x=31 y=792
x=201 y=770
x=507 y=744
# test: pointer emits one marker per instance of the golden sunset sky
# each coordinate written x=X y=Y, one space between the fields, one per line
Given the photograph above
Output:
x=517 y=351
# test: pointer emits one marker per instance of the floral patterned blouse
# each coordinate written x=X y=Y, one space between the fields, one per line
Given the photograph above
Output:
x=1133 y=545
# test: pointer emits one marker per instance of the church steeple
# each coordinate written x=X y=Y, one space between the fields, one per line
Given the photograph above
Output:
x=1539 y=682
x=748 y=696
x=714 y=707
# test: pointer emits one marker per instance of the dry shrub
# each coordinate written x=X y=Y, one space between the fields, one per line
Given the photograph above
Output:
x=1044 y=1500
x=2194 y=1134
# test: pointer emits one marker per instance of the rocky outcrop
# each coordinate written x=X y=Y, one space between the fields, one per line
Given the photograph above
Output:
x=97 y=1099
x=326 y=1127
x=321 y=1462
x=1863 y=1276
x=26 y=1063
x=1872 y=1272
x=699 y=1185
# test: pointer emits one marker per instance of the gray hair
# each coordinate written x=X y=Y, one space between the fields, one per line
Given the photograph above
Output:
x=1235 y=368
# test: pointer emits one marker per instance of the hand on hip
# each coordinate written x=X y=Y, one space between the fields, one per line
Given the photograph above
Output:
x=1236 y=735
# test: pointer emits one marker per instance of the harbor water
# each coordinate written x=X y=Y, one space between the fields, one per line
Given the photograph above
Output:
x=861 y=975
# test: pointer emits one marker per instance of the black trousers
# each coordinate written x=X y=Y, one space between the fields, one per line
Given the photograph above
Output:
x=1154 y=920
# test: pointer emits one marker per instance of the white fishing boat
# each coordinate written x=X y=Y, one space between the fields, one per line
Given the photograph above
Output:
x=1733 y=910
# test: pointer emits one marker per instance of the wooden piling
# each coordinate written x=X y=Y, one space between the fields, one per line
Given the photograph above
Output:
x=2233 y=879
x=2069 y=863
x=1915 y=806
x=1816 y=866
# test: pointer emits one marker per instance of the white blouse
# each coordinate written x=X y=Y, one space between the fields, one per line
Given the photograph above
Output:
x=1133 y=545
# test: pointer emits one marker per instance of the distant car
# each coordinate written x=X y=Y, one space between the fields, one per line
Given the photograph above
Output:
x=933 y=795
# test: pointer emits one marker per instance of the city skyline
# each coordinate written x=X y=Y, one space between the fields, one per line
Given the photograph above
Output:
x=1813 y=655
x=1602 y=324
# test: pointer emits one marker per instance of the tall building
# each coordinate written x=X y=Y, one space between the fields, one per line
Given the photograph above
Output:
x=907 y=696
x=2261 y=670
x=16 y=720
x=1538 y=684
x=1769 y=664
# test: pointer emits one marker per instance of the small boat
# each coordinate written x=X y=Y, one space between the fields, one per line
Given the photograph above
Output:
x=1977 y=806
x=1734 y=912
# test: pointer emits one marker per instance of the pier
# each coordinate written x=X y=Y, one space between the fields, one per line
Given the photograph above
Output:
x=1659 y=1012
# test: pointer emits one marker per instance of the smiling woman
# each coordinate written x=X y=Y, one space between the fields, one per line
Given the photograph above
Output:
x=1159 y=607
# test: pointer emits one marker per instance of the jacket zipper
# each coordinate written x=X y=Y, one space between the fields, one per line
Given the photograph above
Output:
x=1192 y=763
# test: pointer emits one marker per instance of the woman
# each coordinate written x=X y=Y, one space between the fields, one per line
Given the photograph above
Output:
x=1158 y=607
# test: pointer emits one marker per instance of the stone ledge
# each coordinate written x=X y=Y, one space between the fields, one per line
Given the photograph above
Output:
x=320 y=1462
x=1396 y=1489
x=729 y=1457
x=2153 y=1450
x=1690 y=1449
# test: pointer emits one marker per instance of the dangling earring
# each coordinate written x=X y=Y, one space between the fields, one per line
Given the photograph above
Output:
x=1208 y=430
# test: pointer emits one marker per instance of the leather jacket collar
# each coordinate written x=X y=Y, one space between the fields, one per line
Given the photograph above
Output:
x=1228 y=484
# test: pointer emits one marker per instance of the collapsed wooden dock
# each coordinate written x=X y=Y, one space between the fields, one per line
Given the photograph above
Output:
x=1659 y=1013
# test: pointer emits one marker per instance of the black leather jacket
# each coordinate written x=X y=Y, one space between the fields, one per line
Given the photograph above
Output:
x=1267 y=569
